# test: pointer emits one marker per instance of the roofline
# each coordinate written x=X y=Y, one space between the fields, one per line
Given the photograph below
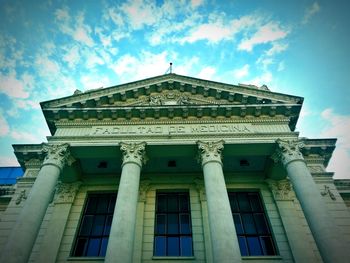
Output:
x=91 y=91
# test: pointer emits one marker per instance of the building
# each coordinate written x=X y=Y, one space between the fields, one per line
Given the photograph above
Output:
x=174 y=168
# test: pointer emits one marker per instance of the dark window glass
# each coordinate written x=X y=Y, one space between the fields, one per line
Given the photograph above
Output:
x=243 y=246
x=173 y=233
x=186 y=246
x=160 y=246
x=254 y=246
x=173 y=246
x=253 y=232
x=238 y=223
x=95 y=226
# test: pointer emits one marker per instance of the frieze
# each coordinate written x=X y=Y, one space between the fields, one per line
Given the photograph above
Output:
x=170 y=129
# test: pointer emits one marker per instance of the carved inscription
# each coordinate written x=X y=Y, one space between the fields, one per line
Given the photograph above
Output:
x=171 y=129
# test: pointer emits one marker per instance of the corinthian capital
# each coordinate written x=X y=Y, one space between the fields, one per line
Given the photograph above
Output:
x=288 y=151
x=57 y=154
x=210 y=151
x=134 y=152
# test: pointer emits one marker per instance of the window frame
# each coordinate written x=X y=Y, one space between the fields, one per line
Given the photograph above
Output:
x=177 y=234
x=108 y=216
x=261 y=210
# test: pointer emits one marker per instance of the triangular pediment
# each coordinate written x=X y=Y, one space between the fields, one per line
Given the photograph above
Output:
x=171 y=95
x=171 y=89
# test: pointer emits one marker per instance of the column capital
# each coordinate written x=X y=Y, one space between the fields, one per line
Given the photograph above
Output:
x=133 y=153
x=210 y=151
x=288 y=151
x=58 y=155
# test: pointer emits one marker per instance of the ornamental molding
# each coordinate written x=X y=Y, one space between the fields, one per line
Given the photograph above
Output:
x=316 y=168
x=261 y=120
x=171 y=82
x=145 y=185
x=57 y=155
x=21 y=196
x=179 y=139
x=287 y=151
x=134 y=153
x=281 y=189
x=33 y=163
x=210 y=151
x=327 y=191
x=66 y=192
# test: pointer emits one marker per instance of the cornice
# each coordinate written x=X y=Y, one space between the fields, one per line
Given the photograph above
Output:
x=175 y=139
x=82 y=123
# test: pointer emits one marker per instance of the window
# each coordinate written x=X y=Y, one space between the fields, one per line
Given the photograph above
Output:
x=173 y=233
x=253 y=231
x=95 y=226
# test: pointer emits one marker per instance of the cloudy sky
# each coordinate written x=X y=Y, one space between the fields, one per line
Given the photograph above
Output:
x=48 y=49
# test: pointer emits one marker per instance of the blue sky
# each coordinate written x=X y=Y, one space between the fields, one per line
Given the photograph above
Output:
x=48 y=49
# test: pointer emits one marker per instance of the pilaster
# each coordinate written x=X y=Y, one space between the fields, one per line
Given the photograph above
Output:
x=65 y=194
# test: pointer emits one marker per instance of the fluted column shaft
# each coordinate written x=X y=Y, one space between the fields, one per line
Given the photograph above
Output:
x=327 y=235
x=222 y=230
x=121 y=239
x=21 y=240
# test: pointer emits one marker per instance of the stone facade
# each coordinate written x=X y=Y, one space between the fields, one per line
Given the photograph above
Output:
x=174 y=134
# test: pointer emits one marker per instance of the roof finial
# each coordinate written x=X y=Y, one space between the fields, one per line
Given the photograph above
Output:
x=170 y=69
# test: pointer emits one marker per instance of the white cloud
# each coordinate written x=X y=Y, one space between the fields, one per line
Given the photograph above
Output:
x=281 y=66
x=217 y=29
x=115 y=16
x=148 y=64
x=94 y=82
x=265 y=62
x=46 y=65
x=4 y=126
x=82 y=32
x=338 y=127
x=74 y=27
x=72 y=56
x=310 y=12
x=140 y=13
x=207 y=73
x=211 y=32
x=93 y=59
x=267 y=33
x=196 y=3
x=22 y=136
x=62 y=14
x=241 y=72
x=13 y=87
x=276 y=48
x=264 y=79
x=6 y=161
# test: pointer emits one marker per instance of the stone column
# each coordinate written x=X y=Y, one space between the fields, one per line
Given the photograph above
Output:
x=65 y=195
x=21 y=241
x=222 y=229
x=327 y=235
x=121 y=240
